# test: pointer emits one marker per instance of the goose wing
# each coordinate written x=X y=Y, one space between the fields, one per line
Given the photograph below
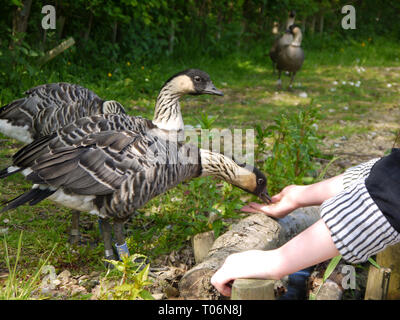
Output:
x=51 y=106
x=96 y=165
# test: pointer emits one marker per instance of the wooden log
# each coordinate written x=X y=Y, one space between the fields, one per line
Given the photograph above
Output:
x=202 y=243
x=57 y=50
x=330 y=290
x=377 y=283
x=253 y=289
x=255 y=232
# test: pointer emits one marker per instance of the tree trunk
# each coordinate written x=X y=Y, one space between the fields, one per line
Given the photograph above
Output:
x=321 y=23
x=115 y=31
x=89 y=27
x=20 y=20
x=303 y=25
x=258 y=232
x=60 y=27
x=171 y=38
x=312 y=26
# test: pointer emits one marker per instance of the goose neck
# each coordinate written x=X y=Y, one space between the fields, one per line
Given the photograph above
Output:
x=167 y=114
x=222 y=167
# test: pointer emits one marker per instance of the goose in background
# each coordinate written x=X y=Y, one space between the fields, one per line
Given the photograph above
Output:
x=281 y=40
x=290 y=57
x=99 y=166
x=49 y=107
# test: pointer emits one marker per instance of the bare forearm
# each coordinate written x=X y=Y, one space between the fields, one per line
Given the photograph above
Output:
x=315 y=194
x=312 y=246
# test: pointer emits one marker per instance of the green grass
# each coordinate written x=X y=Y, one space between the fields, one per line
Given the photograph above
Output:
x=251 y=98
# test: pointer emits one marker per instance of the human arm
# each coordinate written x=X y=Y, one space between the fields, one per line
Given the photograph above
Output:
x=312 y=246
x=296 y=196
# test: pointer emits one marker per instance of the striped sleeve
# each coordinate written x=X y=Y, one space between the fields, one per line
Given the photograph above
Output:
x=358 y=228
x=355 y=173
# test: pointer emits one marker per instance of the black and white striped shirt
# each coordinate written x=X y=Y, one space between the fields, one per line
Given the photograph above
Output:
x=364 y=217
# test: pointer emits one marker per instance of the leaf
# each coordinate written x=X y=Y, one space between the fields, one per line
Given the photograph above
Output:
x=146 y=295
x=331 y=266
x=374 y=263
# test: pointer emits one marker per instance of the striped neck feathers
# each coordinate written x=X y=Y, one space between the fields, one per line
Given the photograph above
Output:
x=297 y=38
x=167 y=114
x=218 y=165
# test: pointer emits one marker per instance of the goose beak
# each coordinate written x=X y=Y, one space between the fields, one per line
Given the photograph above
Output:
x=264 y=196
x=211 y=89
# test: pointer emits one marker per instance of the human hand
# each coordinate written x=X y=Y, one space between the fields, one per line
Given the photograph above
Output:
x=252 y=264
x=282 y=203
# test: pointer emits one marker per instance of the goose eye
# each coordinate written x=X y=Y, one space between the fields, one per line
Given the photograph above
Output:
x=260 y=181
x=197 y=79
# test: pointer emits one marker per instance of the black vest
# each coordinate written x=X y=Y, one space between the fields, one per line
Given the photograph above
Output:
x=383 y=184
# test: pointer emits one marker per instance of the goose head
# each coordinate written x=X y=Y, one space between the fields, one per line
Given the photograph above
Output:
x=275 y=28
x=243 y=176
x=193 y=82
x=297 y=34
x=254 y=182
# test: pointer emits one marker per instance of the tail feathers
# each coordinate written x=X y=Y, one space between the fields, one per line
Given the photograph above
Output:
x=9 y=171
x=33 y=196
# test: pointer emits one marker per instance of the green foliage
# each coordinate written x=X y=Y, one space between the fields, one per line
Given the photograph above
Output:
x=294 y=143
x=16 y=287
x=328 y=271
x=134 y=279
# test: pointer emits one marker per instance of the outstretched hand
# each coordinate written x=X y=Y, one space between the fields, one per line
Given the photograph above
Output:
x=282 y=203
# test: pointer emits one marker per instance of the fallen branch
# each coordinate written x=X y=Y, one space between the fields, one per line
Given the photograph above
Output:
x=258 y=232
x=57 y=50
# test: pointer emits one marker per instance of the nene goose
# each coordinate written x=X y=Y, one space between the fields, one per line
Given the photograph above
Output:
x=99 y=166
x=51 y=106
x=282 y=40
x=291 y=56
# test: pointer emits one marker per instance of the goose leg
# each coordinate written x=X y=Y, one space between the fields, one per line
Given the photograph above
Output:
x=279 y=82
x=122 y=247
x=291 y=81
x=74 y=233
x=107 y=239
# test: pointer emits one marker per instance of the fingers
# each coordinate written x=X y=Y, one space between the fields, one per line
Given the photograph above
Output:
x=223 y=285
x=254 y=207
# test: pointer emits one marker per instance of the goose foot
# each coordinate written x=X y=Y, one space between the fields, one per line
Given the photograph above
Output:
x=279 y=84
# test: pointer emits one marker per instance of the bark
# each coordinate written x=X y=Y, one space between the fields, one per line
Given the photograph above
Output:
x=89 y=27
x=20 y=19
x=321 y=23
x=312 y=26
x=57 y=50
x=258 y=232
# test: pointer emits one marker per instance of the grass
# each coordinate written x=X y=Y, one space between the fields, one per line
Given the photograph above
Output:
x=251 y=98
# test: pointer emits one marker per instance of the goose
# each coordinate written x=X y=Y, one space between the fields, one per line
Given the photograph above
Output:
x=282 y=40
x=49 y=107
x=291 y=56
x=98 y=165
